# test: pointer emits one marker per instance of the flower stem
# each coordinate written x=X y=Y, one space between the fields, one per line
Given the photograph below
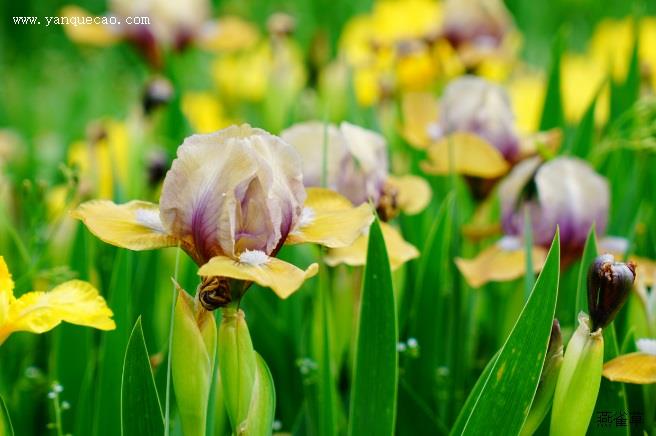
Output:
x=167 y=413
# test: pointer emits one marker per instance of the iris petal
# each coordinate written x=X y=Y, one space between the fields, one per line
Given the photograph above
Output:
x=135 y=225
x=329 y=219
x=282 y=277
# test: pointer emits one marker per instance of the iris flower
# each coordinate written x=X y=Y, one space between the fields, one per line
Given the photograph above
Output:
x=638 y=367
x=355 y=165
x=471 y=131
x=75 y=301
x=564 y=192
x=170 y=25
x=231 y=200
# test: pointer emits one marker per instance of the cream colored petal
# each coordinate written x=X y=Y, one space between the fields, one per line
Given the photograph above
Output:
x=282 y=277
x=465 y=153
x=135 y=225
x=547 y=143
x=330 y=219
x=412 y=193
x=76 y=302
x=645 y=270
x=322 y=147
x=398 y=250
x=639 y=368
x=419 y=110
x=499 y=263
x=93 y=34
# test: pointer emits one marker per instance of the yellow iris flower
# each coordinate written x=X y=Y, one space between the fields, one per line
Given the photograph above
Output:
x=75 y=301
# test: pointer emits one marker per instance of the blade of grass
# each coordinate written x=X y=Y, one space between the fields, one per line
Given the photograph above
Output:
x=141 y=413
x=552 y=111
x=513 y=379
x=375 y=371
x=5 y=421
x=589 y=254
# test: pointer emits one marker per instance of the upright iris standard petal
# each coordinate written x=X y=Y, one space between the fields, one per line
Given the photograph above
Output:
x=237 y=189
x=479 y=23
x=564 y=192
x=474 y=105
x=353 y=159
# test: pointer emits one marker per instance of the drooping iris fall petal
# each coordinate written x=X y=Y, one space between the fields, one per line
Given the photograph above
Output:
x=330 y=220
x=255 y=266
x=135 y=225
x=75 y=301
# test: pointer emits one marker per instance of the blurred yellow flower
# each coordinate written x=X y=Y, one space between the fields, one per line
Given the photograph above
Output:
x=612 y=44
x=583 y=78
x=527 y=92
x=75 y=301
x=103 y=159
x=204 y=112
x=249 y=75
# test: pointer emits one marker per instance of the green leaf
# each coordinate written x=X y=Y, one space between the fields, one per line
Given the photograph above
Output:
x=584 y=136
x=141 y=413
x=6 y=429
x=529 y=275
x=427 y=319
x=589 y=254
x=513 y=379
x=107 y=384
x=375 y=372
x=552 y=111
x=624 y=95
x=475 y=393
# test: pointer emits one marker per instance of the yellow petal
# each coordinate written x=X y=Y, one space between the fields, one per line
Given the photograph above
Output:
x=228 y=34
x=469 y=155
x=6 y=282
x=419 y=111
x=412 y=193
x=499 y=263
x=76 y=302
x=93 y=34
x=135 y=225
x=282 y=277
x=329 y=219
x=6 y=291
x=637 y=368
x=398 y=250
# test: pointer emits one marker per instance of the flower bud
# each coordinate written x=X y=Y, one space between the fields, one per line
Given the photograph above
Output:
x=578 y=383
x=548 y=379
x=609 y=284
x=158 y=92
x=194 y=346
x=248 y=390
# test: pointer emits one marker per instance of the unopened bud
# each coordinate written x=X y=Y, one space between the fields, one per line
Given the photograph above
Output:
x=158 y=92
x=609 y=284
x=194 y=345
x=578 y=382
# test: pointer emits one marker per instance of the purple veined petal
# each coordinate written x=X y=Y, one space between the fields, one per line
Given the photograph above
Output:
x=472 y=104
x=309 y=139
x=239 y=188
x=567 y=194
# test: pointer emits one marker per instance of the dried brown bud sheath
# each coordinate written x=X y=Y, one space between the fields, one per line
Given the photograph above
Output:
x=609 y=284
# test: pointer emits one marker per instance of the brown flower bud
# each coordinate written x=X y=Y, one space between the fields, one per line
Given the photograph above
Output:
x=609 y=283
